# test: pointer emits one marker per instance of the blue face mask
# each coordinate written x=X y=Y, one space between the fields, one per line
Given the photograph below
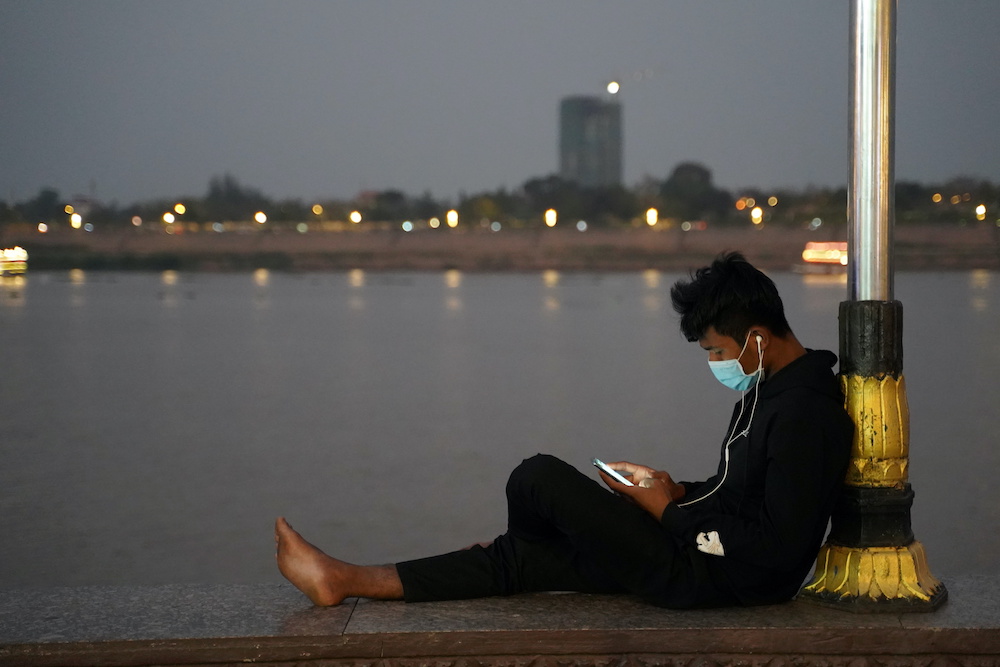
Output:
x=730 y=373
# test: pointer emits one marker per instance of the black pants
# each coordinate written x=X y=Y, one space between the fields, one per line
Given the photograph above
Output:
x=566 y=532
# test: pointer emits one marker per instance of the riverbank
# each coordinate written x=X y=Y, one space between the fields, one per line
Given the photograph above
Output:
x=917 y=247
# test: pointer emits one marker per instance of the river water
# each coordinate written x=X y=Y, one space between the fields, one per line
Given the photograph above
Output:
x=153 y=425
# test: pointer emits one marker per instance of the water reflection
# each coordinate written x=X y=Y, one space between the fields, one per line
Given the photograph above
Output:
x=453 y=280
x=979 y=281
x=262 y=295
x=13 y=288
x=551 y=280
x=652 y=299
x=356 y=279
x=77 y=278
x=824 y=279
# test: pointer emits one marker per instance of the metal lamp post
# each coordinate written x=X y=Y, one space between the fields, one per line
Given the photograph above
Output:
x=871 y=561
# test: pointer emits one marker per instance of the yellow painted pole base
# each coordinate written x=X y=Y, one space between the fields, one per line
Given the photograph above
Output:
x=872 y=579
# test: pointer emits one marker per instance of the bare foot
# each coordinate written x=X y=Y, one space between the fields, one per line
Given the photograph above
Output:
x=323 y=579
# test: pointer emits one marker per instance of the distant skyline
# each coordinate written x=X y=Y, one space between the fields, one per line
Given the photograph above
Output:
x=132 y=100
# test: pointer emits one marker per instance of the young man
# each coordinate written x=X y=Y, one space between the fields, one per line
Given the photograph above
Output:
x=747 y=535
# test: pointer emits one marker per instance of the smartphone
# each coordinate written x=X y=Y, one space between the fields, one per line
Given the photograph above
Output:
x=612 y=472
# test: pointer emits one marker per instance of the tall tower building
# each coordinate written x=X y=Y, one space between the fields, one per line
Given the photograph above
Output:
x=590 y=141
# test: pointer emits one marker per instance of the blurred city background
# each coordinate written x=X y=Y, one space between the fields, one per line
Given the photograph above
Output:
x=384 y=250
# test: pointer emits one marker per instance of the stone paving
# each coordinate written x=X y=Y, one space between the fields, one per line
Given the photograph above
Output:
x=274 y=624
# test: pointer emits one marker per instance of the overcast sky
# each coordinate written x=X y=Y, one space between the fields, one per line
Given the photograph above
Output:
x=133 y=99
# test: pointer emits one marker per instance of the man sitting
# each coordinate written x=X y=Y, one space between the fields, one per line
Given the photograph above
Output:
x=747 y=535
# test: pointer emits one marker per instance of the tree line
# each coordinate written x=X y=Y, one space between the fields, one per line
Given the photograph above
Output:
x=686 y=195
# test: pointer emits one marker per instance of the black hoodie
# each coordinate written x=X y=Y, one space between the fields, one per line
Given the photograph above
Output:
x=758 y=533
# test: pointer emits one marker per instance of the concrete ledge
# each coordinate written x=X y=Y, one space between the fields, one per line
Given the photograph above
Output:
x=273 y=624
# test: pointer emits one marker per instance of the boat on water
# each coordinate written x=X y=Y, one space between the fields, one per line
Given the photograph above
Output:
x=13 y=261
x=823 y=257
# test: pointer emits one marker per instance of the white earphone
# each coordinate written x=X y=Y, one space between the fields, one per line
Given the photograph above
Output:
x=734 y=435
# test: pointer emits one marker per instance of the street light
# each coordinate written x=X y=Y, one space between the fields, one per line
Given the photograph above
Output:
x=550 y=217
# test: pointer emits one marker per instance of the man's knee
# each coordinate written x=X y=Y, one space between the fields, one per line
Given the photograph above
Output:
x=537 y=469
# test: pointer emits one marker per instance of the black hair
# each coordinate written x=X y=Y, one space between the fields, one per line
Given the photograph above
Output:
x=731 y=296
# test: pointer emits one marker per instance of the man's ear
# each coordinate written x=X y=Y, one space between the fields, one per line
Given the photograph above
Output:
x=761 y=336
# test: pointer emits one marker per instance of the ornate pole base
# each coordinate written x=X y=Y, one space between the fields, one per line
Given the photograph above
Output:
x=871 y=562
x=874 y=579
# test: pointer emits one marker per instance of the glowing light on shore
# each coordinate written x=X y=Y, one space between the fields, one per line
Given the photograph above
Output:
x=169 y=218
x=42 y=228
x=551 y=217
x=180 y=209
x=434 y=223
x=69 y=209
x=757 y=215
x=76 y=221
x=354 y=217
x=15 y=254
x=260 y=217
x=614 y=87
x=317 y=209
x=652 y=217
x=136 y=221
x=451 y=218
x=981 y=212
x=826 y=252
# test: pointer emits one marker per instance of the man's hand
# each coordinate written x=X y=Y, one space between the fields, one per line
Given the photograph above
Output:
x=653 y=490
